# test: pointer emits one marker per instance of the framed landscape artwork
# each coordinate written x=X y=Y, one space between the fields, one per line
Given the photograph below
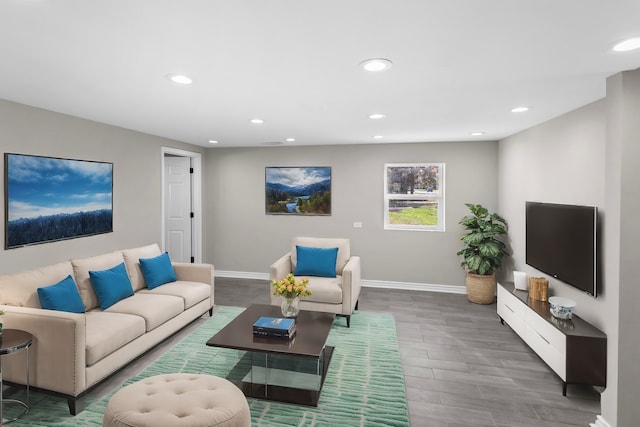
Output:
x=298 y=190
x=49 y=199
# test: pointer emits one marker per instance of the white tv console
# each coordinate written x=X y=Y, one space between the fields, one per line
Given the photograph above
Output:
x=575 y=350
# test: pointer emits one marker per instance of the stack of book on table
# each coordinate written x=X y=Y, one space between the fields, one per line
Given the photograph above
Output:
x=274 y=327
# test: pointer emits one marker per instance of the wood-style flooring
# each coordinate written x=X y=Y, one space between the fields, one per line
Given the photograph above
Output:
x=462 y=367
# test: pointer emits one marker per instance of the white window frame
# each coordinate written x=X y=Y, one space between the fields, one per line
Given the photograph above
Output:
x=435 y=196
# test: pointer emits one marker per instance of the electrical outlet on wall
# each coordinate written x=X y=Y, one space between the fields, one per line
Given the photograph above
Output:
x=357 y=224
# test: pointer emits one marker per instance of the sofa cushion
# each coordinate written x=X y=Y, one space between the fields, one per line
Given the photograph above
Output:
x=131 y=260
x=107 y=332
x=324 y=289
x=154 y=309
x=157 y=271
x=63 y=296
x=20 y=289
x=320 y=262
x=111 y=285
x=81 y=268
x=190 y=292
x=343 y=245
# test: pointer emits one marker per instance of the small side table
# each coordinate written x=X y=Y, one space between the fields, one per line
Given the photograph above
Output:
x=13 y=340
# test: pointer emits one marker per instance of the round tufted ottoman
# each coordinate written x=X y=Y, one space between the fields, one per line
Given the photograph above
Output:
x=178 y=400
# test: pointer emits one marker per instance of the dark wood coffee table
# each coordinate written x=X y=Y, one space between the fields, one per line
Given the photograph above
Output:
x=278 y=369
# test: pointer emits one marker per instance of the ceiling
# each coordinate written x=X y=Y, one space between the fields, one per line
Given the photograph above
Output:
x=459 y=66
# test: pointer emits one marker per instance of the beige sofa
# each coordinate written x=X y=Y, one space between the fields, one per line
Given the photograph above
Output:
x=73 y=352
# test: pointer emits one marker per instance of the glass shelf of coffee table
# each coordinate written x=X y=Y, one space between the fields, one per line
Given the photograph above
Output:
x=286 y=370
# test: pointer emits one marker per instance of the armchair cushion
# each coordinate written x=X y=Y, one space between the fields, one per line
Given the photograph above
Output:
x=343 y=245
x=320 y=262
x=325 y=290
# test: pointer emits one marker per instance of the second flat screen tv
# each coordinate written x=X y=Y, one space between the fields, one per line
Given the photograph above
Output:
x=561 y=241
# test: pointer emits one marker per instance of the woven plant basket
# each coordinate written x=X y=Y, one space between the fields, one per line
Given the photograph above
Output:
x=481 y=289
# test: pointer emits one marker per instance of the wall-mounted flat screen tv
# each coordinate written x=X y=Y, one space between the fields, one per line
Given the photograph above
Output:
x=49 y=199
x=562 y=241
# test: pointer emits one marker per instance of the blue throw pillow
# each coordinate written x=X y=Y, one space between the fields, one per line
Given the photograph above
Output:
x=157 y=271
x=319 y=262
x=63 y=296
x=111 y=285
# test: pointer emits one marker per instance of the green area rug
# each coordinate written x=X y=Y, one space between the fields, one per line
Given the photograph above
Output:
x=364 y=385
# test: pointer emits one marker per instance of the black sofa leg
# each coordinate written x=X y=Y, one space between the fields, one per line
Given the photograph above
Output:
x=211 y=312
x=75 y=405
x=357 y=301
x=348 y=321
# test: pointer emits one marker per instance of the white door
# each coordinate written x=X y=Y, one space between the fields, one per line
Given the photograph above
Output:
x=177 y=208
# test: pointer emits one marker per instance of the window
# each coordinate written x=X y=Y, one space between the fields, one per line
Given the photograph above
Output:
x=414 y=196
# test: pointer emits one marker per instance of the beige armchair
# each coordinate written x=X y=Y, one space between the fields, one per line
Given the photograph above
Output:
x=337 y=294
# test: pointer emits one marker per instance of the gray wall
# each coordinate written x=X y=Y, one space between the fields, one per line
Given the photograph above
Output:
x=590 y=156
x=241 y=238
x=621 y=246
x=560 y=161
x=136 y=159
x=238 y=236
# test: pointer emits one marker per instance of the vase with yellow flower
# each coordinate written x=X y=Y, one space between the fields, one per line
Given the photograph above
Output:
x=290 y=290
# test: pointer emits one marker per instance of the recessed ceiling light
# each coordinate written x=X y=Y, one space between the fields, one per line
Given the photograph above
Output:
x=519 y=109
x=376 y=64
x=477 y=133
x=627 y=45
x=290 y=140
x=257 y=121
x=180 y=79
x=377 y=136
x=212 y=141
x=376 y=116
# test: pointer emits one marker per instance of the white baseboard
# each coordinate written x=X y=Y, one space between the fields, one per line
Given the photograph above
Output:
x=407 y=286
x=600 y=422
x=241 y=275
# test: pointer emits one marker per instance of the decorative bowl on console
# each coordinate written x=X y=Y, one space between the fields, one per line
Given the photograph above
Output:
x=561 y=307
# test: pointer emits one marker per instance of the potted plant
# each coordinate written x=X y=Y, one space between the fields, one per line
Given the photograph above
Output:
x=482 y=253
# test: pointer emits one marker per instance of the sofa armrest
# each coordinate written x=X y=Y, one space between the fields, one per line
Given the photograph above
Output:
x=57 y=358
x=194 y=272
x=281 y=268
x=351 y=283
x=202 y=273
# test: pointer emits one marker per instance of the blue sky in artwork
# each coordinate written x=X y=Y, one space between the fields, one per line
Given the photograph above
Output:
x=298 y=176
x=43 y=186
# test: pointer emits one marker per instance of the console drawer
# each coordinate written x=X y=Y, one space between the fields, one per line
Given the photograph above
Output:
x=547 y=331
x=575 y=350
x=547 y=352
x=512 y=311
